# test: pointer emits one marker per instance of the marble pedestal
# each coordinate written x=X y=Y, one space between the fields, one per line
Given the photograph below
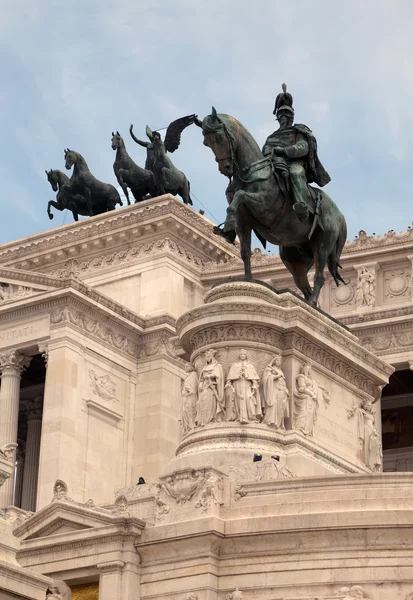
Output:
x=320 y=435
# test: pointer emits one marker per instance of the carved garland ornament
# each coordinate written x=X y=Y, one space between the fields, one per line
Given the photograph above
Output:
x=94 y=327
x=73 y=267
x=228 y=333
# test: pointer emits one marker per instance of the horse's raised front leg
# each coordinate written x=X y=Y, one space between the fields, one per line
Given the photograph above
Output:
x=55 y=205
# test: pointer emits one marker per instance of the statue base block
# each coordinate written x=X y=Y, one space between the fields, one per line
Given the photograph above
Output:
x=275 y=377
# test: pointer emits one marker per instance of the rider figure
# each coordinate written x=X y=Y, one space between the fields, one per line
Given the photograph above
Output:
x=298 y=146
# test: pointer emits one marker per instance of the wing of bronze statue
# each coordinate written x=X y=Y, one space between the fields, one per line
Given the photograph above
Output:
x=173 y=133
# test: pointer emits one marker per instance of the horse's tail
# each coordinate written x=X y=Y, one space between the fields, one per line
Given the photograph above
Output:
x=333 y=261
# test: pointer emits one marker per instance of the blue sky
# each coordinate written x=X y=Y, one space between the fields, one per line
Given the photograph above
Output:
x=74 y=71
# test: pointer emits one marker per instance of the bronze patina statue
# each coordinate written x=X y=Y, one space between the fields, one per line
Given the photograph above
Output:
x=130 y=175
x=83 y=183
x=298 y=146
x=76 y=203
x=168 y=178
x=261 y=200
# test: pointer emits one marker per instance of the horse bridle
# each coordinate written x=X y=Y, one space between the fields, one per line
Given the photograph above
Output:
x=231 y=145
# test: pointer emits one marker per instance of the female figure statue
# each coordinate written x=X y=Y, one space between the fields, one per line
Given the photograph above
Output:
x=306 y=397
x=368 y=436
x=189 y=393
x=276 y=394
x=210 y=391
x=243 y=383
x=365 y=287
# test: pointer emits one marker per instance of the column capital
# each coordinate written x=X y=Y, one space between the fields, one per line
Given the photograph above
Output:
x=12 y=360
x=44 y=351
x=111 y=566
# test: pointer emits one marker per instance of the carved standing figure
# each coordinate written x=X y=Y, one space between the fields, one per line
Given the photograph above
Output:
x=130 y=175
x=84 y=183
x=210 y=391
x=368 y=435
x=365 y=287
x=306 y=401
x=189 y=393
x=243 y=382
x=276 y=394
x=168 y=178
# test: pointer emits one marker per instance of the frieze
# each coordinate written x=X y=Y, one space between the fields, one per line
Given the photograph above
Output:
x=229 y=333
x=330 y=362
x=382 y=343
x=76 y=268
x=93 y=327
x=122 y=220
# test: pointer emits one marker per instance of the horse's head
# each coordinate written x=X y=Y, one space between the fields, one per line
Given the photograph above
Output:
x=70 y=158
x=117 y=140
x=219 y=138
x=53 y=179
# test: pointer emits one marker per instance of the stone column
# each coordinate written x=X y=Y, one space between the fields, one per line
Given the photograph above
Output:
x=12 y=364
x=31 y=462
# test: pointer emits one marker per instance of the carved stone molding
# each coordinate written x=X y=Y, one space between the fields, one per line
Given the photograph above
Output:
x=204 y=487
x=236 y=333
x=94 y=327
x=121 y=506
x=11 y=292
x=13 y=362
x=344 y=295
x=53 y=593
x=110 y=225
x=103 y=386
x=8 y=451
x=157 y=344
x=16 y=516
x=60 y=491
x=111 y=566
x=75 y=268
x=397 y=284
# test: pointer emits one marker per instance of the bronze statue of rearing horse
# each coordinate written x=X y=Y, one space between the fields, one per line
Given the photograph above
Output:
x=259 y=201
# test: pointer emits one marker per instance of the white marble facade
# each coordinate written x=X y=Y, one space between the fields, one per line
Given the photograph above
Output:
x=147 y=373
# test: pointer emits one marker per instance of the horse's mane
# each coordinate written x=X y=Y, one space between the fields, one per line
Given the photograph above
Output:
x=237 y=130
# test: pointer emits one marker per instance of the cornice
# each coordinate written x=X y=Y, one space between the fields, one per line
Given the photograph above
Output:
x=113 y=227
x=164 y=246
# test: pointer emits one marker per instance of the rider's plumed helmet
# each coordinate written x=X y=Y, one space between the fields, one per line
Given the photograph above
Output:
x=283 y=102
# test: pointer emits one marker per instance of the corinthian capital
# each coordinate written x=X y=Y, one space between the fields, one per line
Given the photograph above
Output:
x=13 y=361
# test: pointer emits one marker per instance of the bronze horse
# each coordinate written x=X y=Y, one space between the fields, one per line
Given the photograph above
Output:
x=82 y=182
x=130 y=175
x=77 y=204
x=260 y=201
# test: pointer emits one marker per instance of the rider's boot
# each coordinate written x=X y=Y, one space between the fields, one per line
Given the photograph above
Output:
x=228 y=231
x=301 y=210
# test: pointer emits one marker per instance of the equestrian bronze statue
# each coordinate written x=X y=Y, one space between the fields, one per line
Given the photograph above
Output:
x=168 y=178
x=130 y=175
x=269 y=194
